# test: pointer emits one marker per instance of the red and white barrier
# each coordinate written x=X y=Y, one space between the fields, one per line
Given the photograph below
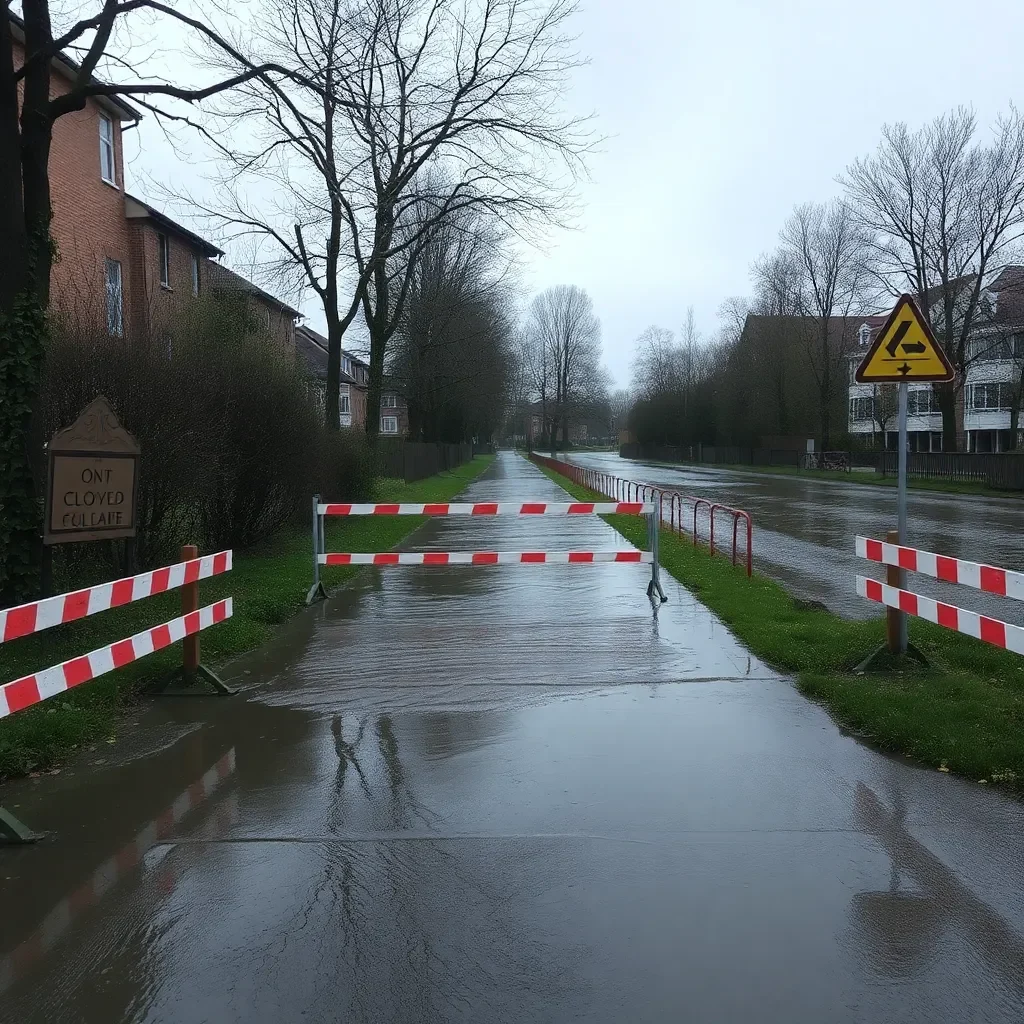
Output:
x=40 y=615
x=105 y=877
x=492 y=508
x=22 y=693
x=981 y=627
x=482 y=557
x=989 y=578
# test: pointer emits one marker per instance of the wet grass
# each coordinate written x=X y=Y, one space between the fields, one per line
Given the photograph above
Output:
x=964 y=714
x=268 y=584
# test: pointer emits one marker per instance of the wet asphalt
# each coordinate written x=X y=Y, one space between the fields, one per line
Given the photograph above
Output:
x=508 y=793
x=804 y=529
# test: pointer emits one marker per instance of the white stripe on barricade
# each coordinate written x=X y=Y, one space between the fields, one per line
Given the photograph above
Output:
x=989 y=578
x=482 y=557
x=981 y=627
x=22 y=693
x=490 y=508
x=53 y=611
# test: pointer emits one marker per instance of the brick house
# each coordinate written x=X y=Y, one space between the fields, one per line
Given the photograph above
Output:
x=311 y=347
x=120 y=262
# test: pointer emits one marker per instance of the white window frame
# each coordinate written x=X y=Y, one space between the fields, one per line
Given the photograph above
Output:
x=195 y=275
x=114 y=285
x=389 y=424
x=163 y=247
x=344 y=401
x=107 y=151
x=388 y=402
x=346 y=365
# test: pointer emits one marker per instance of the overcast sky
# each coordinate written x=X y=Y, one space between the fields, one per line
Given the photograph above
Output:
x=720 y=117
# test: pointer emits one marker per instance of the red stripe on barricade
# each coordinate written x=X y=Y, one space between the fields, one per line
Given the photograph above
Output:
x=533 y=556
x=161 y=580
x=874 y=551
x=993 y=580
x=581 y=556
x=908 y=602
x=386 y=558
x=436 y=510
x=489 y=508
x=907 y=558
x=534 y=508
x=121 y=592
x=337 y=510
x=20 y=622
x=993 y=631
x=77 y=671
x=22 y=693
x=339 y=559
x=385 y=510
x=945 y=568
x=948 y=616
x=76 y=606
x=628 y=556
x=874 y=590
x=581 y=507
x=435 y=558
x=485 y=558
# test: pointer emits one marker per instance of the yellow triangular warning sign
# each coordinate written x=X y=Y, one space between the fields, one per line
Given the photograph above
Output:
x=905 y=349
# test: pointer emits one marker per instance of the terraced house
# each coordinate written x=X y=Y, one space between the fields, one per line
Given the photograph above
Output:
x=121 y=263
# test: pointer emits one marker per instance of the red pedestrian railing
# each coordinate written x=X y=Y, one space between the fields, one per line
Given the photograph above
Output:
x=626 y=490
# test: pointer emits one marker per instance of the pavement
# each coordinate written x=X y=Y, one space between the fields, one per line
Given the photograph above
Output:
x=804 y=528
x=507 y=793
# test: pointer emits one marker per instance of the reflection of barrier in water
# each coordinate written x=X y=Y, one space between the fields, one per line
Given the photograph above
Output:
x=114 y=869
x=942 y=899
x=489 y=508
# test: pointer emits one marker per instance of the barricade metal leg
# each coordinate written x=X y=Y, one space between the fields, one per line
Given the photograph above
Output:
x=654 y=591
x=317 y=592
x=14 y=831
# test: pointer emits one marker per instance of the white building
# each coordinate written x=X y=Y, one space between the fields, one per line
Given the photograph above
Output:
x=984 y=404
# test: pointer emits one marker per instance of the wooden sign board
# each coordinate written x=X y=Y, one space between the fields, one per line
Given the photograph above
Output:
x=92 y=479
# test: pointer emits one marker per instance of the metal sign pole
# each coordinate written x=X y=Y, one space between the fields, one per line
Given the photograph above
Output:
x=901 y=505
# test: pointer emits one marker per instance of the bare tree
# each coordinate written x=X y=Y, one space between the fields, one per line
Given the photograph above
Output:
x=824 y=253
x=946 y=212
x=655 y=362
x=434 y=108
x=29 y=108
x=884 y=407
x=565 y=350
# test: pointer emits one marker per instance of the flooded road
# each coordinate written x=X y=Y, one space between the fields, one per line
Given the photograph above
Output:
x=804 y=529
x=508 y=793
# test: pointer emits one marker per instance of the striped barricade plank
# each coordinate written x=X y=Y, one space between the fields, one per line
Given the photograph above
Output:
x=990 y=578
x=981 y=627
x=52 y=611
x=481 y=557
x=22 y=693
x=491 y=508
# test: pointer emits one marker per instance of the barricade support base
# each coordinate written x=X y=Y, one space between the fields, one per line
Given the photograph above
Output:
x=869 y=662
x=316 y=593
x=14 y=831
x=184 y=684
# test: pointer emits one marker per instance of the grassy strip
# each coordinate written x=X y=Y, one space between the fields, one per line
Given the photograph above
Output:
x=268 y=585
x=965 y=714
x=867 y=477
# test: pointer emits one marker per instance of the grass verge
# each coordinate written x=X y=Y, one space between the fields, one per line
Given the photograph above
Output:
x=868 y=478
x=964 y=714
x=268 y=584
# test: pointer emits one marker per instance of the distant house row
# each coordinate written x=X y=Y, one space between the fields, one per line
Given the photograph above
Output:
x=125 y=267
x=355 y=377
x=991 y=390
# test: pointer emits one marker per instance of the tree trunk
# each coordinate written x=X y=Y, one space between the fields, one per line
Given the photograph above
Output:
x=24 y=295
x=553 y=436
x=947 y=406
x=1014 y=425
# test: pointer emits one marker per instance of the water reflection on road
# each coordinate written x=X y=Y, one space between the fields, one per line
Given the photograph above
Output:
x=804 y=529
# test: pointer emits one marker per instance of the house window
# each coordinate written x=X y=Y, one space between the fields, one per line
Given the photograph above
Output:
x=346 y=365
x=994 y=397
x=195 y=275
x=865 y=335
x=115 y=310
x=389 y=424
x=108 y=168
x=344 y=404
x=862 y=409
x=164 y=249
x=921 y=403
x=388 y=402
